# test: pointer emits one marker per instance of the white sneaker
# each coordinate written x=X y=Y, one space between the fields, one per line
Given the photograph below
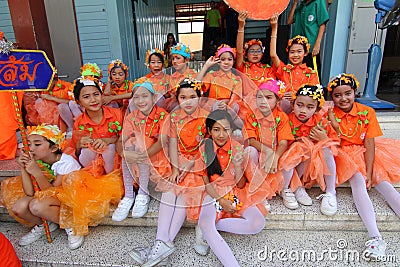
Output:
x=141 y=206
x=267 y=205
x=140 y=254
x=376 y=247
x=123 y=209
x=328 y=204
x=35 y=233
x=201 y=247
x=74 y=241
x=159 y=252
x=289 y=199
x=302 y=197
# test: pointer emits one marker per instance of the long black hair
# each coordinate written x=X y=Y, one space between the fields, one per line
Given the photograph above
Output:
x=211 y=159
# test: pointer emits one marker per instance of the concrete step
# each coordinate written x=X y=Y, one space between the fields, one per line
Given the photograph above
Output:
x=281 y=218
x=110 y=245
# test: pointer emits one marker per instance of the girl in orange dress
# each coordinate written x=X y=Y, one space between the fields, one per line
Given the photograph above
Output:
x=311 y=156
x=143 y=142
x=374 y=161
x=296 y=73
x=223 y=85
x=160 y=80
x=186 y=134
x=180 y=56
x=48 y=165
x=268 y=132
x=97 y=129
x=227 y=205
x=249 y=59
x=118 y=89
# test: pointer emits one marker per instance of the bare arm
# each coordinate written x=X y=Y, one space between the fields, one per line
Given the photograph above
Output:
x=54 y=99
x=369 y=155
x=240 y=39
x=291 y=13
x=317 y=45
x=274 y=33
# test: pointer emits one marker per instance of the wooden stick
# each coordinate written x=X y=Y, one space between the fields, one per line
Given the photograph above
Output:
x=26 y=149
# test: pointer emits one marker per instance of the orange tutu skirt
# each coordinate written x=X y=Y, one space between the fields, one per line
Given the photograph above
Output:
x=192 y=188
x=303 y=150
x=386 y=162
x=85 y=199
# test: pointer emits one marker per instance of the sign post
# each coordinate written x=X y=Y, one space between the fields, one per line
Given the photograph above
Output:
x=26 y=70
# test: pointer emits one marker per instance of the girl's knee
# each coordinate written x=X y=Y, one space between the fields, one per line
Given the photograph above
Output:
x=35 y=207
x=258 y=223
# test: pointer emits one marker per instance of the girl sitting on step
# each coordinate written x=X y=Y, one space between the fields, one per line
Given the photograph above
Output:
x=374 y=161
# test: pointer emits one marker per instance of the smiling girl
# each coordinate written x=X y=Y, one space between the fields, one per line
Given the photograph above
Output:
x=374 y=161
x=118 y=88
x=296 y=73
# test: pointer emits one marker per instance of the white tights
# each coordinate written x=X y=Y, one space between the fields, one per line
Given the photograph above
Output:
x=391 y=195
x=171 y=216
x=87 y=156
x=252 y=222
x=363 y=204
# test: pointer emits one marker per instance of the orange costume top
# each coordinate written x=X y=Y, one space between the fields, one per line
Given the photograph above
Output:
x=62 y=89
x=126 y=87
x=250 y=195
x=161 y=83
x=296 y=76
x=257 y=72
x=110 y=126
x=306 y=149
x=144 y=131
x=356 y=125
x=223 y=86
x=171 y=103
x=177 y=77
x=9 y=124
x=268 y=130
x=189 y=130
x=303 y=129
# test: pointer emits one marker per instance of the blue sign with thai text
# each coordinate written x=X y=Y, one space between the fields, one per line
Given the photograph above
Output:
x=29 y=70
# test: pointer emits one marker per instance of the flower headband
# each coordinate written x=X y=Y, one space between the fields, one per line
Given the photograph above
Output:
x=151 y=52
x=225 y=48
x=142 y=82
x=344 y=79
x=302 y=40
x=275 y=86
x=50 y=132
x=254 y=42
x=314 y=91
x=181 y=49
x=192 y=83
x=117 y=64
x=91 y=71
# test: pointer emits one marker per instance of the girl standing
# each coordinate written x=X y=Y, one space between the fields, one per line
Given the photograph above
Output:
x=223 y=85
x=143 y=143
x=180 y=56
x=374 y=161
x=97 y=129
x=296 y=73
x=226 y=205
x=167 y=49
x=249 y=59
x=48 y=165
x=159 y=79
x=118 y=88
